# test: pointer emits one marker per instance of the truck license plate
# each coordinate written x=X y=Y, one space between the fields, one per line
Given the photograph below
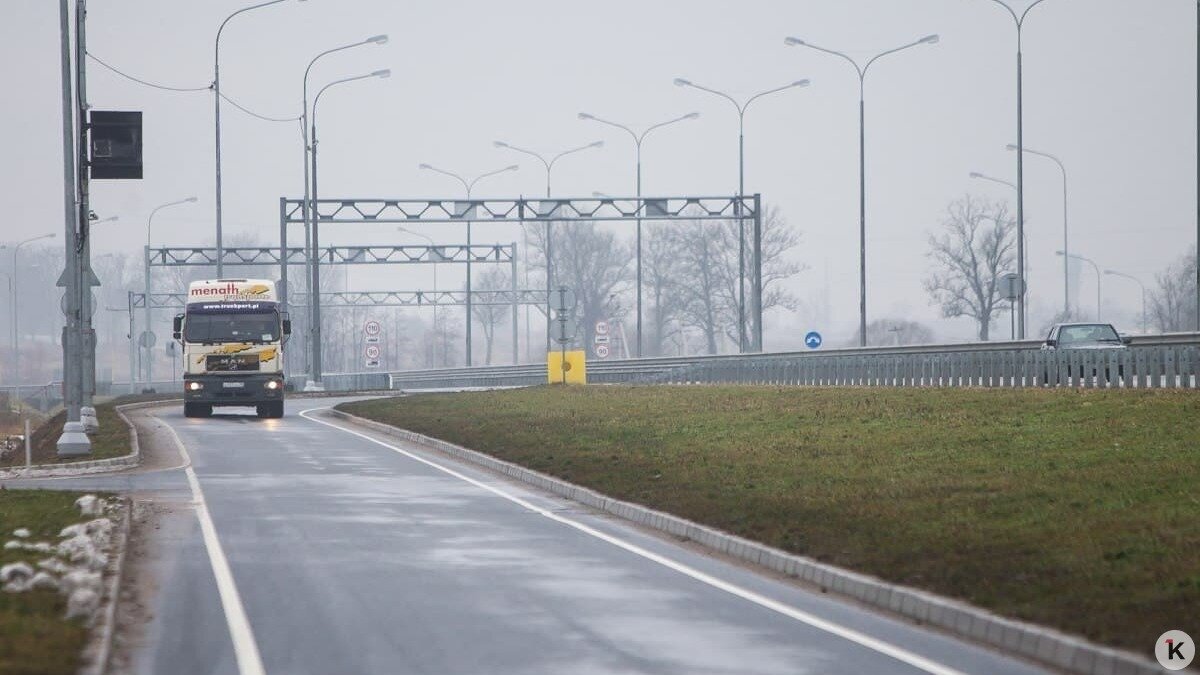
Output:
x=233 y=385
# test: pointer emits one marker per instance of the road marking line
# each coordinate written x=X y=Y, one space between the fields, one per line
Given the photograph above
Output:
x=850 y=634
x=245 y=649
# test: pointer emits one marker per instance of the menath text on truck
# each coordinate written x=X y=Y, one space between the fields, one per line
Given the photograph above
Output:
x=233 y=332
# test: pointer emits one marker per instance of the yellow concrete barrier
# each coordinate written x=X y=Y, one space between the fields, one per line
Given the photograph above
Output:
x=566 y=367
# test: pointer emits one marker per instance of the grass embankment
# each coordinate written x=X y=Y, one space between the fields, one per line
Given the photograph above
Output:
x=112 y=439
x=34 y=636
x=1075 y=509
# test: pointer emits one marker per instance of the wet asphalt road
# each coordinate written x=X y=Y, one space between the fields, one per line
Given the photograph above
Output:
x=332 y=553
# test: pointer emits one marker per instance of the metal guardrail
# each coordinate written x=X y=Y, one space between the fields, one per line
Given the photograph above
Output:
x=1169 y=360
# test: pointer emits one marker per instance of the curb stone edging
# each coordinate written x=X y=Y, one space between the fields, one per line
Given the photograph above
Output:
x=1037 y=643
x=90 y=466
x=99 y=666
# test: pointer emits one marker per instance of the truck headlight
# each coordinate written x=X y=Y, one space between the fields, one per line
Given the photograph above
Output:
x=195 y=386
x=272 y=384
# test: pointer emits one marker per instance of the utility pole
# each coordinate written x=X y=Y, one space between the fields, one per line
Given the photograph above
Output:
x=73 y=441
x=88 y=280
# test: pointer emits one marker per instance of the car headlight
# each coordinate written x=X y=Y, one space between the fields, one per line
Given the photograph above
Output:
x=272 y=384
x=195 y=386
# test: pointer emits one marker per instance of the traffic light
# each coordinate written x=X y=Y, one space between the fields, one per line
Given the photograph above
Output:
x=116 y=144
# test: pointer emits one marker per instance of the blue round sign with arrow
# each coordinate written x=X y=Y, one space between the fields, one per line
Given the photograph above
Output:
x=812 y=339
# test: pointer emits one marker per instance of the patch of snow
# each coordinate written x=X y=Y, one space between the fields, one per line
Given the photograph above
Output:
x=21 y=532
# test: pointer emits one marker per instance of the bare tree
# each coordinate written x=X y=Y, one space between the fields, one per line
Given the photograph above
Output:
x=592 y=263
x=706 y=274
x=975 y=249
x=704 y=285
x=661 y=269
x=1173 y=302
x=490 y=317
x=896 y=332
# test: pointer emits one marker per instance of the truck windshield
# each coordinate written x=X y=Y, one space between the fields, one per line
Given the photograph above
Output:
x=240 y=327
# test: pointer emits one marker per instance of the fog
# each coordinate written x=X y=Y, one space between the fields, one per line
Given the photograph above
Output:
x=1110 y=88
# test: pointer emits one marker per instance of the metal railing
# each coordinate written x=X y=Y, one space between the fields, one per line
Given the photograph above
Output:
x=1171 y=360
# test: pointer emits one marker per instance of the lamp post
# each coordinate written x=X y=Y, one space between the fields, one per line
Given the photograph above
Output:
x=741 y=111
x=146 y=311
x=1140 y=284
x=549 y=164
x=217 y=118
x=1001 y=181
x=1095 y=267
x=1019 y=22
x=310 y=232
x=468 y=185
x=16 y=352
x=637 y=140
x=1063 y=170
x=861 y=71
x=315 y=297
x=432 y=255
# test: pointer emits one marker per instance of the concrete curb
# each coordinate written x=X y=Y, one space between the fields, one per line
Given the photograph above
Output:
x=1037 y=643
x=104 y=644
x=90 y=466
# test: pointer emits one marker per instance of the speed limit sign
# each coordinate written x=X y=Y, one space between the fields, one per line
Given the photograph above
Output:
x=602 y=351
x=372 y=351
x=372 y=328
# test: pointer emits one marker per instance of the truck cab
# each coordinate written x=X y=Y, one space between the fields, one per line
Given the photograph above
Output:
x=233 y=332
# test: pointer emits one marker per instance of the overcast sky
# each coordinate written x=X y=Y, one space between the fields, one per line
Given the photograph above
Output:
x=1110 y=87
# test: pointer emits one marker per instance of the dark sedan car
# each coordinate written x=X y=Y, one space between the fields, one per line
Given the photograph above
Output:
x=1099 y=338
x=1084 y=336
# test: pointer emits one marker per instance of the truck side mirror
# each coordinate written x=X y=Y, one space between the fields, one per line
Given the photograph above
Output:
x=287 y=325
x=177 y=327
x=1127 y=339
x=1051 y=342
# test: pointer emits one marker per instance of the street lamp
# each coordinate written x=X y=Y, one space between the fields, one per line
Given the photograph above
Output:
x=637 y=140
x=861 y=70
x=1001 y=181
x=315 y=297
x=311 y=239
x=16 y=352
x=468 y=185
x=741 y=110
x=1139 y=283
x=549 y=164
x=432 y=256
x=1019 y=22
x=146 y=310
x=1094 y=266
x=217 y=115
x=1063 y=169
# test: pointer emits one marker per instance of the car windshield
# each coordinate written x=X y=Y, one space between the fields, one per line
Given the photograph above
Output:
x=239 y=327
x=1082 y=334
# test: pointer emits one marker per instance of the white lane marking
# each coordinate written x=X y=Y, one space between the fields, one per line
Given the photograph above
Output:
x=862 y=639
x=245 y=649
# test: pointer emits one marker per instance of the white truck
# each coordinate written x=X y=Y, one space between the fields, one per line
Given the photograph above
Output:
x=233 y=332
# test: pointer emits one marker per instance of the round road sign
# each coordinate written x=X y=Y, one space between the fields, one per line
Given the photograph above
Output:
x=372 y=351
x=813 y=339
x=602 y=351
x=601 y=327
x=372 y=328
x=147 y=339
